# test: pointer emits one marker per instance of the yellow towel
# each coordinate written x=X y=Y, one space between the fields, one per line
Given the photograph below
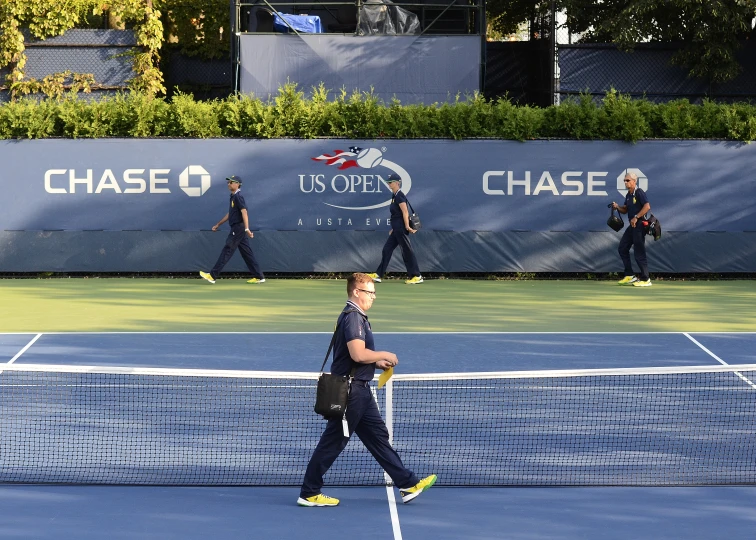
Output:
x=385 y=376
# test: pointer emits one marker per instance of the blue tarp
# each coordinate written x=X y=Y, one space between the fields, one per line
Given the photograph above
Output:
x=308 y=24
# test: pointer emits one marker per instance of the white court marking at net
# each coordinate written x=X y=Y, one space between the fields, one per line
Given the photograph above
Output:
x=718 y=359
x=26 y=348
x=395 y=525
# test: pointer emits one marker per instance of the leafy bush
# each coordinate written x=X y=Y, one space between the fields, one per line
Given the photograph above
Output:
x=362 y=115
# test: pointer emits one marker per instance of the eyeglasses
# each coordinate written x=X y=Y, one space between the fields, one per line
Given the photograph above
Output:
x=628 y=179
x=371 y=293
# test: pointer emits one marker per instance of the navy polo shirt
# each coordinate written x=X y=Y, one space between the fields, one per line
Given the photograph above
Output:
x=635 y=202
x=397 y=221
x=235 y=206
x=353 y=325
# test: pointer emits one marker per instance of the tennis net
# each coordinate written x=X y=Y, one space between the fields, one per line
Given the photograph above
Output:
x=119 y=425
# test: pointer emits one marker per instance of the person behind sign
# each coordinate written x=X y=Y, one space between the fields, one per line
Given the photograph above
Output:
x=354 y=343
x=637 y=206
x=399 y=235
x=238 y=237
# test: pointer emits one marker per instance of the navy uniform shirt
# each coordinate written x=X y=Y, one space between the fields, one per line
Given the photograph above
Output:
x=635 y=202
x=397 y=221
x=235 y=206
x=353 y=325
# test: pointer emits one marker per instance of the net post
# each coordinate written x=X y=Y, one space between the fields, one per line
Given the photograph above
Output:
x=390 y=410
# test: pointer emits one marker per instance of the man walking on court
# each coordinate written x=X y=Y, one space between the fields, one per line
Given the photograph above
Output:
x=637 y=206
x=354 y=348
x=238 y=237
x=399 y=235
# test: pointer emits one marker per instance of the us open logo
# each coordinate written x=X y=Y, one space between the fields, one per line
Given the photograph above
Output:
x=365 y=172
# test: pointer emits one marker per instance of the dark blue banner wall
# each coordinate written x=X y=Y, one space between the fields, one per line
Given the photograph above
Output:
x=322 y=205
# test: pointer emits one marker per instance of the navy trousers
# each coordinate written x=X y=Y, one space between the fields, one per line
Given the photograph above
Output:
x=237 y=238
x=634 y=237
x=363 y=419
x=399 y=238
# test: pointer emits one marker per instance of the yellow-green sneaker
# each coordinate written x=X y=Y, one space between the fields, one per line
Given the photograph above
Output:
x=642 y=283
x=373 y=276
x=627 y=280
x=318 y=500
x=414 y=280
x=410 y=493
x=209 y=277
x=256 y=280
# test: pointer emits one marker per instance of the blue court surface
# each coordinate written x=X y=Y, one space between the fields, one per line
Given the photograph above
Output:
x=189 y=513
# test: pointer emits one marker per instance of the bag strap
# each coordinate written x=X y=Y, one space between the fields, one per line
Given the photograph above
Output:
x=412 y=210
x=333 y=340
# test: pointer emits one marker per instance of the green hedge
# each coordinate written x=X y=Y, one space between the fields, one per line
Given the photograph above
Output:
x=364 y=116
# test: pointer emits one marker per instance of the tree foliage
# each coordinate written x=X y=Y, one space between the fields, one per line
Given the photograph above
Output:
x=48 y=18
x=506 y=16
x=710 y=31
x=199 y=27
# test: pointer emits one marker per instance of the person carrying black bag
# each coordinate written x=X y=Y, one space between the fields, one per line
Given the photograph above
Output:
x=399 y=235
x=354 y=346
x=637 y=207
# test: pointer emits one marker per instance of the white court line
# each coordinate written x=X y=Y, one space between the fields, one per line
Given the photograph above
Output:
x=718 y=359
x=395 y=526
x=22 y=351
x=394 y=514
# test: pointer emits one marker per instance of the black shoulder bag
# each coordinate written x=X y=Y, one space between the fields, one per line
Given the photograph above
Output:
x=615 y=220
x=652 y=226
x=333 y=390
x=414 y=219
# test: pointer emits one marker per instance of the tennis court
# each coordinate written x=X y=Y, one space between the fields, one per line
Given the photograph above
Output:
x=526 y=511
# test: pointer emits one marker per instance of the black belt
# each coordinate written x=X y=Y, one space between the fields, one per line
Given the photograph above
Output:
x=366 y=384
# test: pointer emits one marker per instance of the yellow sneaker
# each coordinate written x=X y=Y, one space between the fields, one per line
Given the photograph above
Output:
x=373 y=276
x=410 y=493
x=642 y=283
x=318 y=500
x=414 y=280
x=209 y=277
x=627 y=280
x=256 y=280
